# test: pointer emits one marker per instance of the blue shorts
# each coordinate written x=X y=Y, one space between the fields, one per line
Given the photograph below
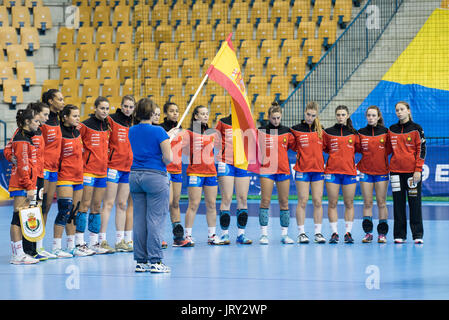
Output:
x=196 y=181
x=96 y=182
x=18 y=193
x=342 y=179
x=372 y=178
x=50 y=176
x=309 y=176
x=175 y=177
x=75 y=187
x=117 y=176
x=227 y=170
x=276 y=177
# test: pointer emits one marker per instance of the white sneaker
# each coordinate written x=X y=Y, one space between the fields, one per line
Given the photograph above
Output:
x=399 y=240
x=419 y=241
x=59 y=253
x=130 y=245
x=159 y=267
x=77 y=252
x=23 y=259
x=287 y=240
x=263 y=239
x=98 y=249
x=303 y=238
x=83 y=250
x=46 y=254
x=214 y=240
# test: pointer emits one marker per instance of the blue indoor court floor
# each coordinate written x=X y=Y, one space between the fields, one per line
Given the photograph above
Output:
x=247 y=272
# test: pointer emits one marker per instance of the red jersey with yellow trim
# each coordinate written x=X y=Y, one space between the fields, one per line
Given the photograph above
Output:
x=309 y=148
x=274 y=143
x=375 y=148
x=200 y=149
x=95 y=136
x=408 y=146
x=341 y=144
x=120 y=152
x=224 y=128
x=71 y=158
x=51 y=132
x=23 y=174
x=174 y=167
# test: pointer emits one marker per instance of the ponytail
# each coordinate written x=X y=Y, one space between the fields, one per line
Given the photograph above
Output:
x=23 y=115
x=313 y=105
x=66 y=111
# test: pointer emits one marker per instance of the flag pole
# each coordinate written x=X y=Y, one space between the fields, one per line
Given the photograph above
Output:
x=191 y=101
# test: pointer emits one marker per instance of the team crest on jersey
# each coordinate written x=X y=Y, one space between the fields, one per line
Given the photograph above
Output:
x=382 y=140
x=350 y=141
x=409 y=138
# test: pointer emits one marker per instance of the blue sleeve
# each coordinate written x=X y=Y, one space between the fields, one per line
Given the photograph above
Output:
x=161 y=135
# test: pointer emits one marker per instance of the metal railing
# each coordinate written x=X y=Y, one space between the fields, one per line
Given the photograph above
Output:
x=342 y=59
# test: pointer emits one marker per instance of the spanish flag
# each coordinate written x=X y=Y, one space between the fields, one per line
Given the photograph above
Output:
x=225 y=71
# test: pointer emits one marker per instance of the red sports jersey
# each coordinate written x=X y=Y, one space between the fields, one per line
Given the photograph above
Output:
x=309 y=148
x=23 y=174
x=341 y=145
x=174 y=167
x=374 y=147
x=224 y=129
x=408 y=146
x=200 y=149
x=120 y=153
x=274 y=143
x=71 y=158
x=51 y=132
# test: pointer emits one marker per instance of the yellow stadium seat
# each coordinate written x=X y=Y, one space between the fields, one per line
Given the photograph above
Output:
x=254 y=67
x=42 y=18
x=128 y=87
x=200 y=12
x=167 y=51
x=321 y=10
x=86 y=53
x=15 y=53
x=91 y=88
x=269 y=48
x=300 y=11
x=85 y=16
x=257 y=86
x=296 y=68
x=213 y=89
x=280 y=87
x=248 y=49
x=111 y=88
x=220 y=105
x=191 y=86
x=203 y=32
x=8 y=36
x=70 y=88
x=120 y=17
x=6 y=71
x=183 y=33
x=20 y=17
x=170 y=69
x=68 y=70
x=312 y=50
x=106 y=52
x=101 y=16
x=239 y=12
x=104 y=35
x=150 y=69
x=152 y=87
x=222 y=31
x=88 y=71
x=85 y=36
x=328 y=32
x=163 y=33
x=108 y=70
x=65 y=36
x=291 y=48
x=126 y=70
x=306 y=30
x=33 y=3
x=98 y=3
x=141 y=14
x=146 y=51
x=219 y=13
x=4 y=20
x=280 y=11
x=122 y=35
x=285 y=30
x=29 y=38
x=261 y=105
x=114 y=102
x=67 y=54
x=265 y=31
x=173 y=87
x=342 y=11
x=12 y=92
x=190 y=69
x=244 y=31
x=275 y=67
x=259 y=12
x=49 y=84
x=76 y=101
x=445 y=4
x=159 y=13
x=125 y=53
x=26 y=73
x=207 y=50
x=179 y=14
x=186 y=50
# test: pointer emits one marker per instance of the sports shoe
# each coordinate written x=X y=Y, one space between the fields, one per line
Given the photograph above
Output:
x=59 y=253
x=368 y=238
x=45 y=253
x=382 y=238
x=104 y=244
x=83 y=250
x=98 y=249
x=348 y=238
x=23 y=259
x=263 y=239
x=287 y=240
x=303 y=238
x=225 y=239
x=164 y=245
x=319 y=238
x=182 y=243
x=334 y=238
x=130 y=245
x=121 y=246
x=399 y=240
x=142 y=267
x=419 y=241
x=77 y=252
x=242 y=239
x=40 y=257
x=214 y=240
x=190 y=239
x=159 y=267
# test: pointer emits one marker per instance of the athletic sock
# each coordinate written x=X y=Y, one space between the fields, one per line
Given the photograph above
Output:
x=348 y=226
x=119 y=236
x=70 y=242
x=334 y=227
x=284 y=231
x=57 y=244
x=18 y=248
x=93 y=239
x=188 y=232
x=79 y=239
x=301 y=229
x=128 y=236
x=211 y=231
x=240 y=231
x=264 y=230
x=317 y=228
x=102 y=237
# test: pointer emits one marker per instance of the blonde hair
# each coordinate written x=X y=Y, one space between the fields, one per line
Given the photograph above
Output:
x=275 y=107
x=407 y=106
x=313 y=105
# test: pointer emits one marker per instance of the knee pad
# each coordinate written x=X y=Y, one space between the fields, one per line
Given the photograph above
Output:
x=94 y=224
x=225 y=219
x=178 y=231
x=242 y=218
x=263 y=217
x=15 y=221
x=64 y=207
x=81 y=222
x=73 y=212
x=382 y=228
x=285 y=218
x=367 y=225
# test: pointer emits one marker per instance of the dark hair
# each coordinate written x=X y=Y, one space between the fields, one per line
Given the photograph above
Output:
x=379 y=113
x=38 y=107
x=275 y=107
x=167 y=105
x=408 y=107
x=349 y=121
x=128 y=97
x=49 y=95
x=66 y=111
x=23 y=115
x=99 y=100
x=144 y=109
x=194 y=113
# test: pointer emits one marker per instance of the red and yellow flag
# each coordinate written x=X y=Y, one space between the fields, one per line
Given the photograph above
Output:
x=225 y=71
